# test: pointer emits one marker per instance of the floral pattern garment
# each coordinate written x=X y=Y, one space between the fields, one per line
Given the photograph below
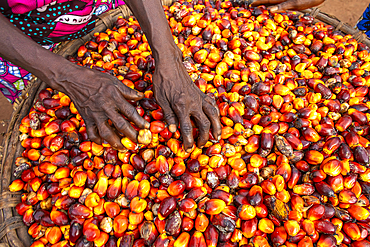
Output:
x=364 y=23
x=47 y=22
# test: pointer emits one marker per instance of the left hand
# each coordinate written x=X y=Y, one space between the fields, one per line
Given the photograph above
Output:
x=283 y=5
x=180 y=98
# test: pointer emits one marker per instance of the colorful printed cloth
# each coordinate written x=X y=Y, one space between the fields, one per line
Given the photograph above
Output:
x=47 y=22
x=364 y=23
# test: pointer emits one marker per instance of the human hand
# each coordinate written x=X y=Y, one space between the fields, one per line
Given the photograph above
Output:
x=180 y=98
x=99 y=97
x=283 y=5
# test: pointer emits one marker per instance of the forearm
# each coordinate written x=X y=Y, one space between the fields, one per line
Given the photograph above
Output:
x=153 y=22
x=19 y=49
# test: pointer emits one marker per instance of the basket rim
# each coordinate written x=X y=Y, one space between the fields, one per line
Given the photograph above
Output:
x=12 y=229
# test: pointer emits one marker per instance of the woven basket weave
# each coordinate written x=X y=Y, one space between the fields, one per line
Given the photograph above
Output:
x=12 y=230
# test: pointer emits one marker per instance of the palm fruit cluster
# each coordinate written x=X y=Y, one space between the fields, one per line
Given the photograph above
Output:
x=291 y=168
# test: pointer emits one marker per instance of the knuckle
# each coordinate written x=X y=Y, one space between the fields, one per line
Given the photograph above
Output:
x=130 y=111
x=121 y=125
x=186 y=129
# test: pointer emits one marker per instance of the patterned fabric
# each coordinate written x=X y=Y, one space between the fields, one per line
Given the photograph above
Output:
x=364 y=23
x=47 y=22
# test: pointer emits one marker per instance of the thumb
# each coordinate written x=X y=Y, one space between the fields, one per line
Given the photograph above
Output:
x=287 y=5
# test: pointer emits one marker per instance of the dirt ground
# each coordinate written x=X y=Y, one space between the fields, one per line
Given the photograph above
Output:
x=346 y=10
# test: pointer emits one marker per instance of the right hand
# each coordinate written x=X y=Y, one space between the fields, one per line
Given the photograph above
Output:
x=283 y=5
x=99 y=97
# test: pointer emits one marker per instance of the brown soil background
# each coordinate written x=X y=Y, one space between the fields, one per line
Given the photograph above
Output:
x=348 y=11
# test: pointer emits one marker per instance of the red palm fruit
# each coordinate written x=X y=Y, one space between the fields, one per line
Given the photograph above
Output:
x=187 y=224
x=47 y=168
x=138 y=204
x=308 y=226
x=304 y=189
x=260 y=241
x=332 y=145
x=135 y=219
x=114 y=190
x=102 y=239
x=53 y=127
x=144 y=189
x=285 y=170
x=201 y=222
x=292 y=227
x=132 y=189
x=336 y=183
x=120 y=224
x=101 y=186
x=157 y=127
x=265 y=225
x=279 y=236
x=54 y=235
x=246 y=212
x=214 y=206
x=352 y=230
x=347 y=196
x=326 y=241
x=16 y=185
x=261 y=211
x=358 y=212
x=332 y=167
x=249 y=227
x=279 y=182
x=162 y=164
x=182 y=240
x=148 y=232
x=22 y=207
x=268 y=187
x=59 y=218
x=42 y=193
x=305 y=242
x=197 y=240
x=362 y=243
x=324 y=226
x=187 y=204
x=162 y=240
x=314 y=157
x=127 y=143
x=79 y=211
x=176 y=188
x=79 y=178
x=316 y=212
x=167 y=206
x=112 y=209
x=91 y=231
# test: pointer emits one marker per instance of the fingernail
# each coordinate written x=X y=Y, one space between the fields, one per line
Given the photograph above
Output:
x=188 y=150
x=273 y=9
x=147 y=125
x=140 y=94
x=218 y=138
x=201 y=147
x=172 y=128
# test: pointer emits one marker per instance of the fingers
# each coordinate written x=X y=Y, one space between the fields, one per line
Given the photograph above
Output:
x=92 y=131
x=265 y=2
x=203 y=126
x=131 y=113
x=213 y=114
x=107 y=133
x=295 y=5
x=168 y=115
x=129 y=93
x=186 y=128
x=120 y=123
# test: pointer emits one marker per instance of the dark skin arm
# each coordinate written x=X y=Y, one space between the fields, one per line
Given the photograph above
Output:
x=97 y=96
x=283 y=5
x=174 y=90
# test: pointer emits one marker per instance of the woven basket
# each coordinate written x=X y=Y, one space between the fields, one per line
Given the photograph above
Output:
x=12 y=230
